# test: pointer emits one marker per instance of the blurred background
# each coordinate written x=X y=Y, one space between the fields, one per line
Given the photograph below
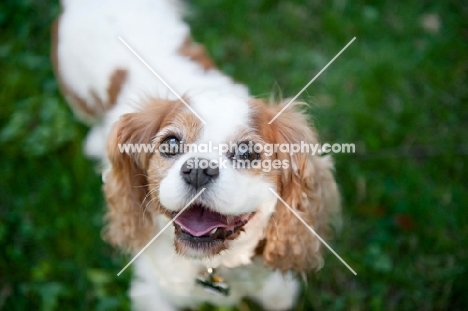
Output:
x=399 y=92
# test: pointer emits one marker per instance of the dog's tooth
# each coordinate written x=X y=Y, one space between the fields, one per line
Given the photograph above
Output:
x=213 y=231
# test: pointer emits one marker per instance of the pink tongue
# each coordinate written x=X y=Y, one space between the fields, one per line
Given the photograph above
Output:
x=199 y=221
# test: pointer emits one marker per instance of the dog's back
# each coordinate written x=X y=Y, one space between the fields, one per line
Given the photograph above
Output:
x=100 y=76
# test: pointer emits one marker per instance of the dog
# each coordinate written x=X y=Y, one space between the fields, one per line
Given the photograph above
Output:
x=228 y=230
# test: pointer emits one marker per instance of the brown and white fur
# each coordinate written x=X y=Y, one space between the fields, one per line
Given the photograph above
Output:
x=112 y=90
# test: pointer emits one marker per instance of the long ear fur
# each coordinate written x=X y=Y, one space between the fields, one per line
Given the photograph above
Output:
x=126 y=186
x=307 y=186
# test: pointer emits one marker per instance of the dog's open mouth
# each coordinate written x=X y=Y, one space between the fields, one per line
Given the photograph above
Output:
x=200 y=228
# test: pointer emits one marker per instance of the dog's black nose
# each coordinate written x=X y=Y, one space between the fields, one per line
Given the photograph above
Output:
x=197 y=172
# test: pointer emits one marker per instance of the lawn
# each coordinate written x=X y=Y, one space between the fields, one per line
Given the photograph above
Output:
x=399 y=92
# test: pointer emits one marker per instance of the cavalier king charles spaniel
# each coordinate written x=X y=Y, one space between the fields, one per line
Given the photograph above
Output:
x=236 y=239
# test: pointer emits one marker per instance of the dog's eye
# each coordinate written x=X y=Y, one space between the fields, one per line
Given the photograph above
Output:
x=245 y=152
x=170 y=146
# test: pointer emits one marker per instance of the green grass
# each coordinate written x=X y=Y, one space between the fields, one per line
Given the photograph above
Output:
x=399 y=92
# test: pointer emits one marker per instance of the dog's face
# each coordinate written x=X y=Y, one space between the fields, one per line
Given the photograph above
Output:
x=212 y=162
x=194 y=157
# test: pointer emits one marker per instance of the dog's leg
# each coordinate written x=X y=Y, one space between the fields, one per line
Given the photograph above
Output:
x=279 y=292
x=145 y=293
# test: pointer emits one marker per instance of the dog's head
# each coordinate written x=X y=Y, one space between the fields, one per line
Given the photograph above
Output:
x=226 y=165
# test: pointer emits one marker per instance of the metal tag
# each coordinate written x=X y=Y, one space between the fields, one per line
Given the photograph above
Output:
x=213 y=283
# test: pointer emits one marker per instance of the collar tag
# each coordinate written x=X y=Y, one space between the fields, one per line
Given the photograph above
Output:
x=213 y=283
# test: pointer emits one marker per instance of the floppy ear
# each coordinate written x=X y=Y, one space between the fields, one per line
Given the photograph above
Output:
x=308 y=187
x=125 y=184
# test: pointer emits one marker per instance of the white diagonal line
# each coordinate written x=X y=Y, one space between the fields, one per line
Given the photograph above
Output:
x=313 y=231
x=162 y=230
x=313 y=79
x=161 y=79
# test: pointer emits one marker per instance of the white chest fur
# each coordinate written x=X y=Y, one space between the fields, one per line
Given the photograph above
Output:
x=163 y=280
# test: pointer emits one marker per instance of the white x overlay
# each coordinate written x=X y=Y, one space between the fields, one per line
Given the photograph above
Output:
x=160 y=232
x=160 y=79
x=310 y=82
x=312 y=230
x=271 y=121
